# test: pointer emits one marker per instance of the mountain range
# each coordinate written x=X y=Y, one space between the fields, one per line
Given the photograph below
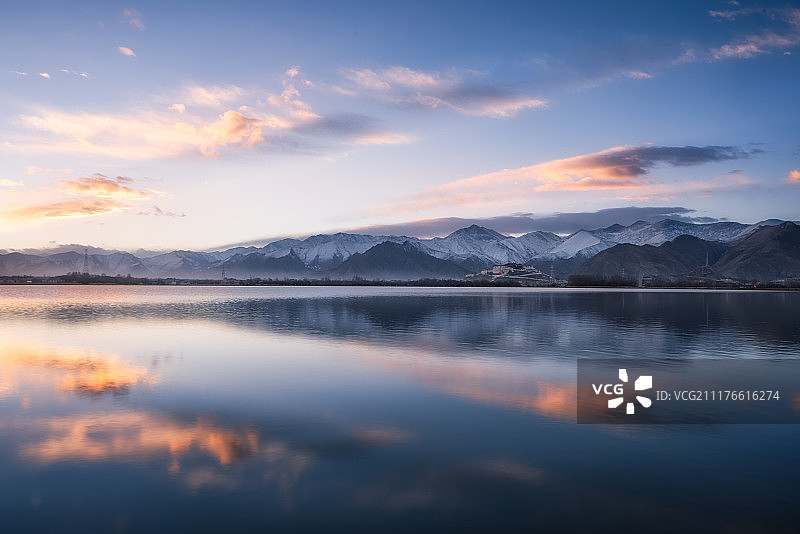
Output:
x=769 y=253
x=735 y=250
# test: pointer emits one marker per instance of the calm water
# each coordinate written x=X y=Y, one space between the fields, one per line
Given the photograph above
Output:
x=128 y=409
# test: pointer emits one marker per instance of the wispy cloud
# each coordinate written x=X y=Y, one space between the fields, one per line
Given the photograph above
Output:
x=406 y=87
x=213 y=96
x=73 y=208
x=274 y=120
x=624 y=168
x=783 y=32
x=19 y=72
x=145 y=135
x=562 y=223
x=638 y=75
x=772 y=30
x=383 y=139
x=74 y=73
x=158 y=212
x=794 y=176
x=397 y=76
x=5 y=182
x=134 y=18
x=232 y=128
x=102 y=186
x=289 y=98
x=33 y=169
x=45 y=75
x=96 y=195
x=125 y=51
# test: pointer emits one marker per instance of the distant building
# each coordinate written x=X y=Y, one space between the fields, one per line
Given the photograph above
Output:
x=525 y=274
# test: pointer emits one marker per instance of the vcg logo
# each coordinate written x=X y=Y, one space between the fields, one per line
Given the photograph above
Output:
x=642 y=383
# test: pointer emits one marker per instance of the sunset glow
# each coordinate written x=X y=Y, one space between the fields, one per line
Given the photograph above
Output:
x=115 y=116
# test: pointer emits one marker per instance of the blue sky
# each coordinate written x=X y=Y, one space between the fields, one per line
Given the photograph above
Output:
x=194 y=125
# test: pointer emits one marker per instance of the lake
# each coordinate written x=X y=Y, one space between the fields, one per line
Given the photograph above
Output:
x=355 y=409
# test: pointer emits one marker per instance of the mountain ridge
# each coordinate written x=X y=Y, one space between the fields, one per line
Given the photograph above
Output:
x=768 y=253
x=470 y=249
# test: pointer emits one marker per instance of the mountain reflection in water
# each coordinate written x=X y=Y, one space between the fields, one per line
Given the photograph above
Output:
x=373 y=409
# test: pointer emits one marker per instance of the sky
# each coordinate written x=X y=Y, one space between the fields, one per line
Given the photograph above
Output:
x=194 y=125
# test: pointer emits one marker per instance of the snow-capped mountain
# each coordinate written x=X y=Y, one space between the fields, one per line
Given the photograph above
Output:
x=480 y=246
x=65 y=262
x=471 y=248
x=181 y=263
x=474 y=242
x=533 y=244
x=770 y=252
x=642 y=233
x=581 y=243
x=325 y=251
x=587 y=243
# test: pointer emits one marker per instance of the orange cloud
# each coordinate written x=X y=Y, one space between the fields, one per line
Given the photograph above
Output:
x=794 y=176
x=103 y=187
x=132 y=435
x=76 y=208
x=75 y=371
x=125 y=51
x=232 y=128
x=624 y=168
x=162 y=133
x=146 y=136
x=100 y=194
x=518 y=388
x=383 y=139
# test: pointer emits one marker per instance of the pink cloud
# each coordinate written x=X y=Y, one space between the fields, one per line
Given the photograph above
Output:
x=625 y=168
x=383 y=139
x=232 y=128
x=97 y=195
x=104 y=187
x=794 y=176
x=144 y=136
x=74 y=208
x=161 y=133
x=134 y=18
x=125 y=51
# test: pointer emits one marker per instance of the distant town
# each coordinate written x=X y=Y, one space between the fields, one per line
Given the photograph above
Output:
x=505 y=275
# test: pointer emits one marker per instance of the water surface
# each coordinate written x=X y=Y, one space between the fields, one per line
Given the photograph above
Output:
x=145 y=409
